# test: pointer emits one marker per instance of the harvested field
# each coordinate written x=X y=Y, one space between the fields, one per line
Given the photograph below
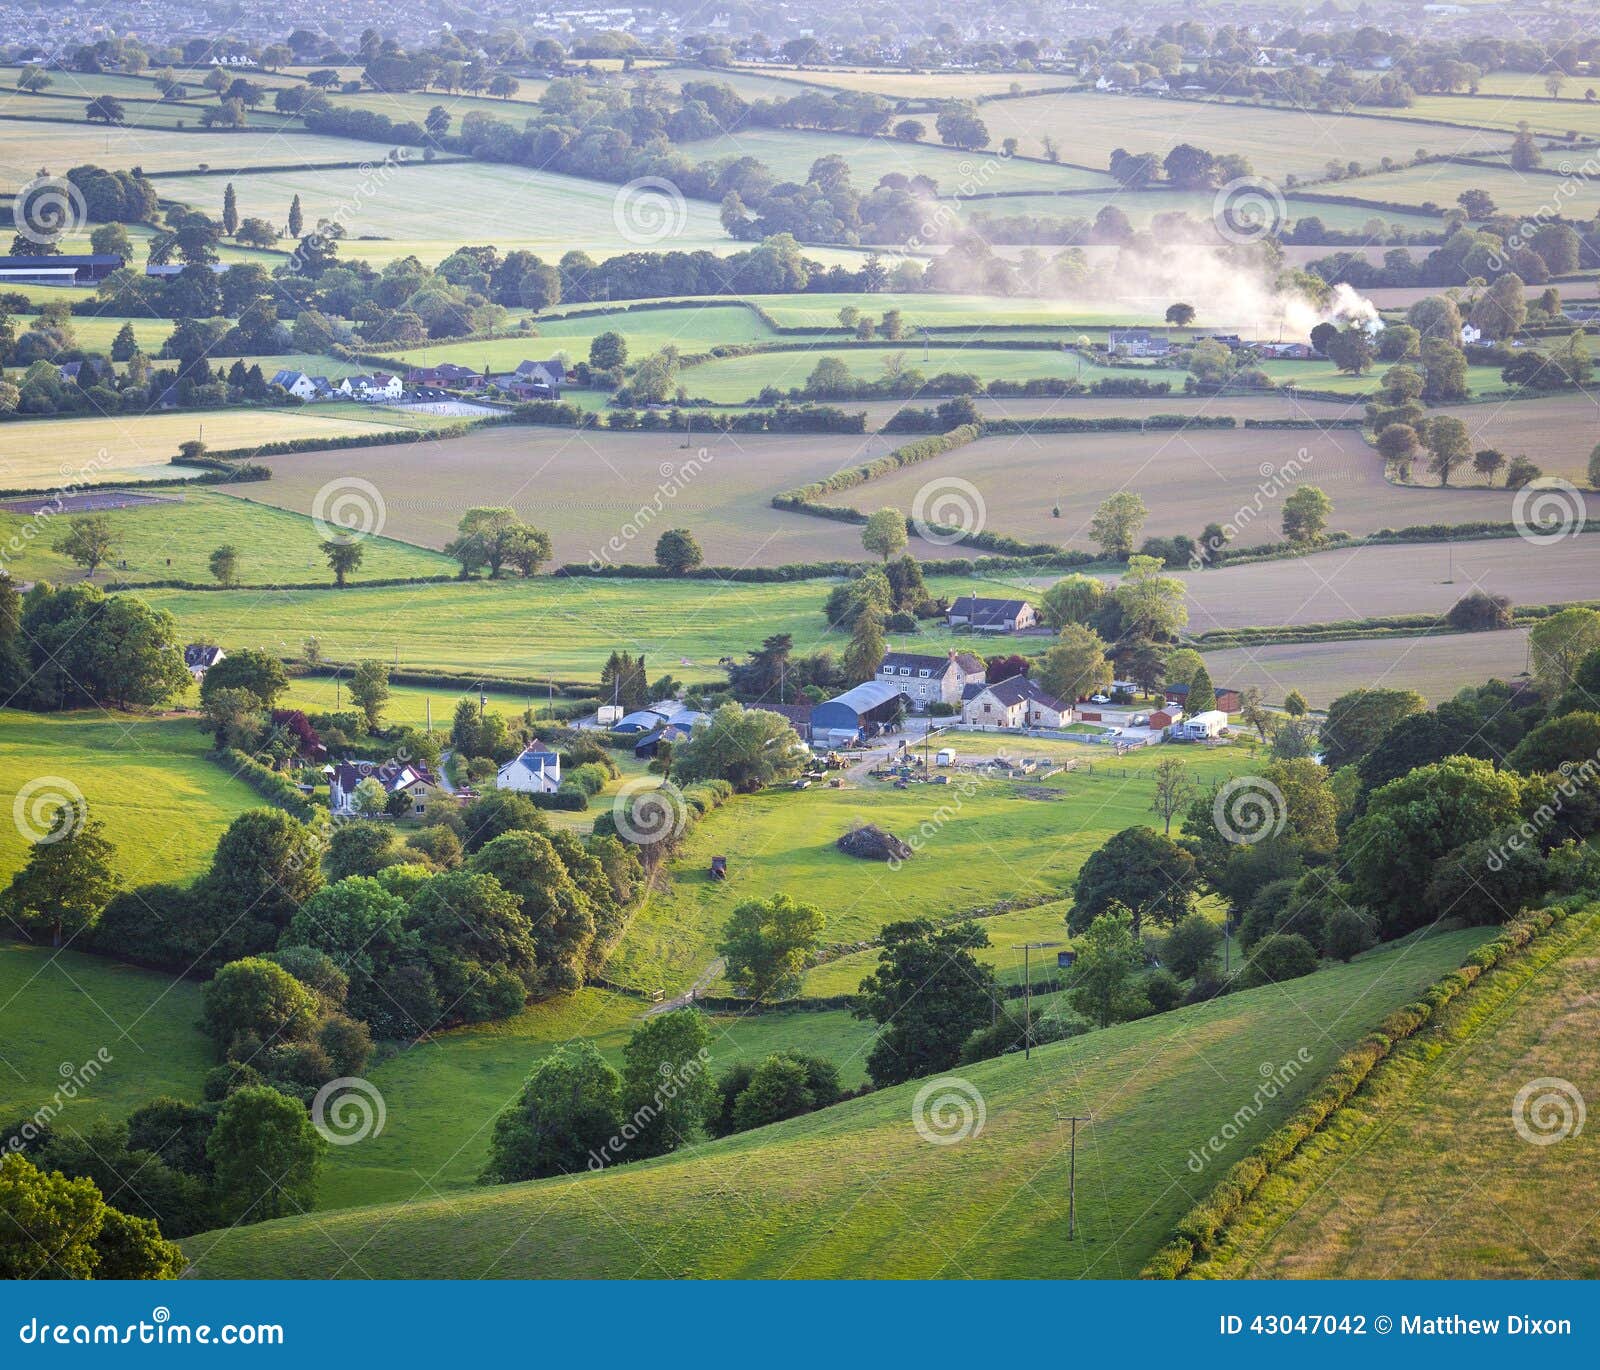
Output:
x=1556 y=432
x=587 y=488
x=1436 y=665
x=1277 y=141
x=1186 y=478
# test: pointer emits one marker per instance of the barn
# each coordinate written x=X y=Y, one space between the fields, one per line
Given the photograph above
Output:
x=858 y=712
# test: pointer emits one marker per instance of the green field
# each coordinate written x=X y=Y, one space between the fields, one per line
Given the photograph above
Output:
x=983 y=841
x=1278 y=142
x=41 y=454
x=147 y=779
x=1544 y=116
x=1432 y=1143
x=1142 y=205
x=173 y=540
x=59 y=1008
x=1440 y=183
x=856 y=1191
x=789 y=153
x=510 y=207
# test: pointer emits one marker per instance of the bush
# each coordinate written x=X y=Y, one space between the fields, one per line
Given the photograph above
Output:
x=1347 y=934
x=1480 y=612
x=1278 y=957
x=1162 y=989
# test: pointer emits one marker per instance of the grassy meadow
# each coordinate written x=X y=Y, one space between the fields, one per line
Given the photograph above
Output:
x=807 y=1197
x=145 y=778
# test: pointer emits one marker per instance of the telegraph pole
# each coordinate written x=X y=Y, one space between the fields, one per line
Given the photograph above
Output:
x=1072 y=1181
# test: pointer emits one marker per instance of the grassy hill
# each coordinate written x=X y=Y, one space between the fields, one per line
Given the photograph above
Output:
x=1425 y=1174
x=815 y=1195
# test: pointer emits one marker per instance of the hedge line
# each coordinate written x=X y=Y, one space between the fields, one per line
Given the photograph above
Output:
x=1196 y=1232
x=267 y=783
x=923 y=449
x=1315 y=425
x=1151 y=423
x=1367 y=627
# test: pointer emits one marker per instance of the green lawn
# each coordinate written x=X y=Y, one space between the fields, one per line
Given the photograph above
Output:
x=856 y=1191
x=163 y=804
x=979 y=843
x=1142 y=205
x=173 y=540
x=58 y=1009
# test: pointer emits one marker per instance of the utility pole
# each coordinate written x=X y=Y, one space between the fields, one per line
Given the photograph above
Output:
x=1072 y=1180
x=1027 y=996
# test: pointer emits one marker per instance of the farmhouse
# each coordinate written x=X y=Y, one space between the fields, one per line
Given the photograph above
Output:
x=297 y=383
x=376 y=388
x=198 y=660
x=992 y=615
x=59 y=270
x=859 y=712
x=447 y=376
x=1015 y=702
x=420 y=786
x=536 y=771
x=1136 y=342
x=928 y=679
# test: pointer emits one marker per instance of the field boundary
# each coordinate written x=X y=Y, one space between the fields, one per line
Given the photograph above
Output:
x=1197 y=1233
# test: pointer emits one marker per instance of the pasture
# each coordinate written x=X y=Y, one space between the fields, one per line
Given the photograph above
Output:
x=173 y=540
x=980 y=842
x=1141 y=206
x=29 y=145
x=1435 y=1142
x=1515 y=192
x=919 y=86
x=451 y=203
x=1278 y=142
x=1435 y=665
x=789 y=153
x=59 y=1009
x=39 y=454
x=1557 y=117
x=601 y=495
x=855 y=1190
x=443 y=1094
x=1047 y=486
x=146 y=778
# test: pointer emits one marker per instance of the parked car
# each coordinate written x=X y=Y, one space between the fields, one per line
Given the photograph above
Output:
x=1099 y=699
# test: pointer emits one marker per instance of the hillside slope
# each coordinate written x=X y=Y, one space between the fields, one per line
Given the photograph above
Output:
x=1465 y=1154
x=857 y=1190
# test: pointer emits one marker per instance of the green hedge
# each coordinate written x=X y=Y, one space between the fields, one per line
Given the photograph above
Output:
x=267 y=783
x=1196 y=1232
x=923 y=449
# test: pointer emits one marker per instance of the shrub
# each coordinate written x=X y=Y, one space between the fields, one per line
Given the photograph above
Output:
x=1281 y=956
